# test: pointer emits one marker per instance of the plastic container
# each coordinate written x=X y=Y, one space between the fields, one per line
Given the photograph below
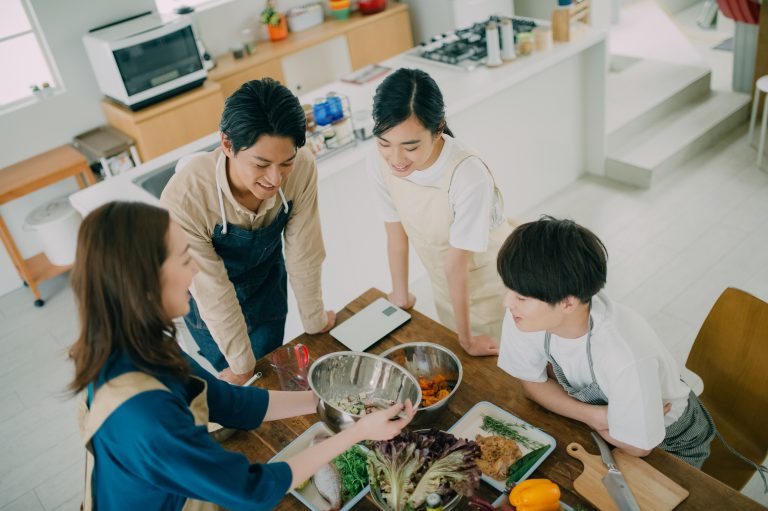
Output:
x=371 y=6
x=335 y=106
x=322 y=112
x=340 y=14
x=56 y=223
x=302 y=18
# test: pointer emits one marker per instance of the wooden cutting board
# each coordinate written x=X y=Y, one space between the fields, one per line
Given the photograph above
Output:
x=653 y=490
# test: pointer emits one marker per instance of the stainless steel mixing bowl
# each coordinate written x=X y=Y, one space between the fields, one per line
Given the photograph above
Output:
x=349 y=373
x=428 y=359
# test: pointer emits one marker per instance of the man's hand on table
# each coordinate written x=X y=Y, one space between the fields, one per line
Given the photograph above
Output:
x=404 y=301
x=331 y=322
x=480 y=345
x=235 y=379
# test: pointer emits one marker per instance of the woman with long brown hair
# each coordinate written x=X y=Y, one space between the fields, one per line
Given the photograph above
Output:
x=146 y=404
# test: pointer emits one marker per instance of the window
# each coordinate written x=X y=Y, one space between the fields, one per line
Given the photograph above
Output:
x=24 y=51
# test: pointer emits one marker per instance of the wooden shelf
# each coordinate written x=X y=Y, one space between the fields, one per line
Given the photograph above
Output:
x=40 y=268
x=266 y=51
x=29 y=175
x=25 y=177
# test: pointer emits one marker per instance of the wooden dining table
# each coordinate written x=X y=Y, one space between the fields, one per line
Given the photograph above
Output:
x=483 y=381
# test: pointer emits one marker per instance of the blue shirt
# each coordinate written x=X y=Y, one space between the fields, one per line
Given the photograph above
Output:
x=151 y=456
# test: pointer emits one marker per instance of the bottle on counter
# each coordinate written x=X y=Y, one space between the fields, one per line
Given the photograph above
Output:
x=561 y=21
x=492 y=42
x=335 y=106
x=434 y=502
x=543 y=37
x=322 y=112
x=507 y=40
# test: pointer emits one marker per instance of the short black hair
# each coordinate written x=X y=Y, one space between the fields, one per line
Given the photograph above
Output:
x=552 y=259
x=262 y=107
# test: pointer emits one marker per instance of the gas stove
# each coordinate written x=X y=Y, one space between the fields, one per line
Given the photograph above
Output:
x=464 y=49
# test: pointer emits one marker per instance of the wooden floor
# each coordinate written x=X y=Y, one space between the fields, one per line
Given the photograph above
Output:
x=672 y=249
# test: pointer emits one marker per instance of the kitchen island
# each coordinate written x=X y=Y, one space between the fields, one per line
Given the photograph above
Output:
x=537 y=121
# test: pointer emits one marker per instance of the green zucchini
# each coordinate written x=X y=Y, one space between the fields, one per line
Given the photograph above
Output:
x=524 y=464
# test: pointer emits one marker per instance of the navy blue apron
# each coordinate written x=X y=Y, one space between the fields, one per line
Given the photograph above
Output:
x=256 y=267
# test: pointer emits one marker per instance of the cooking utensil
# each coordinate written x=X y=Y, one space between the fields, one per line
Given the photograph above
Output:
x=349 y=373
x=426 y=359
x=291 y=363
x=614 y=480
x=654 y=491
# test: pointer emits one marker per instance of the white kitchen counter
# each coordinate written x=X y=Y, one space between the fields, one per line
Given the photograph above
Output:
x=538 y=122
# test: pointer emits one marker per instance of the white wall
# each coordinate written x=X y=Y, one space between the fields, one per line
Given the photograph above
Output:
x=47 y=124
x=222 y=26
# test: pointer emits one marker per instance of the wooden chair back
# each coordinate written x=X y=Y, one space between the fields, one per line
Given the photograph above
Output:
x=730 y=354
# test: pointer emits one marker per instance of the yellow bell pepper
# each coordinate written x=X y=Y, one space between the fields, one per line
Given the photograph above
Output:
x=535 y=495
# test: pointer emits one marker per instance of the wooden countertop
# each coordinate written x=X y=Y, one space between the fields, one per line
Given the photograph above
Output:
x=483 y=381
x=227 y=65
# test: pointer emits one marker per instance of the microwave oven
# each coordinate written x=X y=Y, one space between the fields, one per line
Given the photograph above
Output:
x=144 y=59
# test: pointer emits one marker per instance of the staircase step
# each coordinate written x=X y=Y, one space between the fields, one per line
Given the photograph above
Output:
x=663 y=146
x=641 y=93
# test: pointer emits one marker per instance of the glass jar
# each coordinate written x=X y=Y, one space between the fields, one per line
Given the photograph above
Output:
x=316 y=143
x=525 y=41
x=344 y=131
x=331 y=140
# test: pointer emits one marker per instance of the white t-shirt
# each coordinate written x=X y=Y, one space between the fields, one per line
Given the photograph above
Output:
x=476 y=208
x=633 y=368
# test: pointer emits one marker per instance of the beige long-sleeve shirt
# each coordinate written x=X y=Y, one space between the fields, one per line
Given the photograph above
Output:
x=191 y=196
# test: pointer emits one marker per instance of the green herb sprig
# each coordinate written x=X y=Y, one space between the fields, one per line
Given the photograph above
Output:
x=353 y=467
x=509 y=430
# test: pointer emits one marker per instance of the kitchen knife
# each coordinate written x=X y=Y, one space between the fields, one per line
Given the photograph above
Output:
x=614 y=480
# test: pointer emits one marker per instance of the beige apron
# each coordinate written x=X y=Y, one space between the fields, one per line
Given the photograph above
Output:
x=107 y=399
x=426 y=215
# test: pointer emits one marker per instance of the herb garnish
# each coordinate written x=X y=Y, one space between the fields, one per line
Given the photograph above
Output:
x=353 y=467
x=509 y=430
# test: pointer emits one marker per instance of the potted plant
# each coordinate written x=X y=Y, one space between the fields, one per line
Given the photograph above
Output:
x=275 y=22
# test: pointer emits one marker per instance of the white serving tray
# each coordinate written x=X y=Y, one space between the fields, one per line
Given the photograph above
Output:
x=469 y=426
x=309 y=495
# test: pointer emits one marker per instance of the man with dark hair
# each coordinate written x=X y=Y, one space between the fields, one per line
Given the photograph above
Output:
x=579 y=354
x=237 y=204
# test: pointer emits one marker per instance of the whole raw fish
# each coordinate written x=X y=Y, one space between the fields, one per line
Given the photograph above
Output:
x=327 y=480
